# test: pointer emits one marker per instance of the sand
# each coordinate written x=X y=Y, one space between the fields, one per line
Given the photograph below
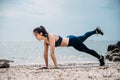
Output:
x=70 y=71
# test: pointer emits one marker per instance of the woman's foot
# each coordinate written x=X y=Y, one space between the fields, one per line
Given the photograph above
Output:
x=99 y=31
x=101 y=60
x=44 y=68
x=55 y=68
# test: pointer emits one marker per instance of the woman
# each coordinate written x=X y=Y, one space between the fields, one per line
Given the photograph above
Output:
x=54 y=40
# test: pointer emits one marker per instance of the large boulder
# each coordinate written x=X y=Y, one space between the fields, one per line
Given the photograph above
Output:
x=113 y=52
x=4 y=63
x=112 y=47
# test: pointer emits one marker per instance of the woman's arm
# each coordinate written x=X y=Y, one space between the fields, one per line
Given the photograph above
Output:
x=46 y=54
x=52 y=48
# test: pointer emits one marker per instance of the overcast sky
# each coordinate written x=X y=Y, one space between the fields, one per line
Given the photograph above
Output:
x=18 y=18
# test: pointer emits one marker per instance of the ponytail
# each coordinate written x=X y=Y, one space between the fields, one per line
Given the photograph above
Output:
x=41 y=29
x=45 y=33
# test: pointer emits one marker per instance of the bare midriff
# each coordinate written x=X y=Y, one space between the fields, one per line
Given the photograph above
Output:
x=65 y=42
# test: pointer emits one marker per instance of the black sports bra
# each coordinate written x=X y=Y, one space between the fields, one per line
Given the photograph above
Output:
x=58 y=42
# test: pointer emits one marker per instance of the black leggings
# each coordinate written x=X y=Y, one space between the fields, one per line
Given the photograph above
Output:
x=77 y=43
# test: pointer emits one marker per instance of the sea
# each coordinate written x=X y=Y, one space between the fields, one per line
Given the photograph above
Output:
x=31 y=52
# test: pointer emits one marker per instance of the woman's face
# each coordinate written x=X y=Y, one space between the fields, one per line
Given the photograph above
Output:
x=38 y=36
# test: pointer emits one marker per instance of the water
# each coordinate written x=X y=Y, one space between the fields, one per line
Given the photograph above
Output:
x=32 y=52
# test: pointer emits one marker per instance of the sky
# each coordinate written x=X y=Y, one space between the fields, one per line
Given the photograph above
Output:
x=18 y=18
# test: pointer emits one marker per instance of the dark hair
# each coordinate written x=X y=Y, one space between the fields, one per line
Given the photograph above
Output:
x=41 y=29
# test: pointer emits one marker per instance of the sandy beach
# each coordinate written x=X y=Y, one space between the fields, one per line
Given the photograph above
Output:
x=70 y=71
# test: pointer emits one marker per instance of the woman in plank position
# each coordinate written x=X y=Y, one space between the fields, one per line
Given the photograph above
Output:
x=54 y=40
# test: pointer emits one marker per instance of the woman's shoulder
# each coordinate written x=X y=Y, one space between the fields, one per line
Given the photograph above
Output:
x=53 y=35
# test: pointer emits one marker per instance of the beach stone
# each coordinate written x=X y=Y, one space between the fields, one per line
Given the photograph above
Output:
x=116 y=50
x=110 y=58
x=116 y=58
x=107 y=56
x=108 y=53
x=115 y=54
x=112 y=55
x=4 y=63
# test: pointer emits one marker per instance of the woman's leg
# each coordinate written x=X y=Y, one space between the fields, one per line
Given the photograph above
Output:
x=90 y=33
x=86 y=35
x=80 y=46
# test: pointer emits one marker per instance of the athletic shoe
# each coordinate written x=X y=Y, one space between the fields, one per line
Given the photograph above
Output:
x=101 y=60
x=99 y=31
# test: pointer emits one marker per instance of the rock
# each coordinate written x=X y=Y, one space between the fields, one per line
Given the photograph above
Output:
x=107 y=56
x=113 y=52
x=110 y=58
x=4 y=63
x=116 y=50
x=116 y=58
x=118 y=43
x=111 y=47
x=108 y=53
x=5 y=60
x=112 y=55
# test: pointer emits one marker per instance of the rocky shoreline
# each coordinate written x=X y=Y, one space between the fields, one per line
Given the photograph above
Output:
x=71 y=71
